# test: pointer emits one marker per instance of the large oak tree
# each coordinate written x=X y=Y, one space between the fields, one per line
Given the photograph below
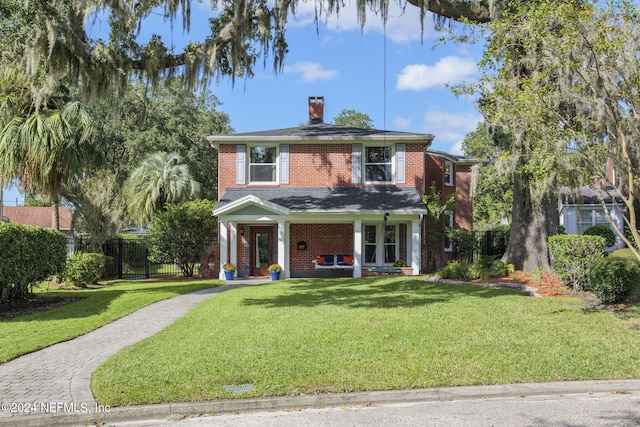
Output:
x=55 y=43
x=50 y=37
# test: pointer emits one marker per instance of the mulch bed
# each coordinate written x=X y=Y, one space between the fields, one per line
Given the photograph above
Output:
x=548 y=285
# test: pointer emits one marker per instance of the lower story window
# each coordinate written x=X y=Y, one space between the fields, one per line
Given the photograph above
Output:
x=390 y=246
x=589 y=217
x=380 y=248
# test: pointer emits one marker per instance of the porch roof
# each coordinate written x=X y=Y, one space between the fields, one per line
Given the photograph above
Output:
x=328 y=200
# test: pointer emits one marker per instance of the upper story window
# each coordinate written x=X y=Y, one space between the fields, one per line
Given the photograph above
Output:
x=377 y=164
x=448 y=172
x=262 y=164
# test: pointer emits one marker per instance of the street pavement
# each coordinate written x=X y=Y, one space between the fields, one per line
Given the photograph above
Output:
x=583 y=409
x=51 y=387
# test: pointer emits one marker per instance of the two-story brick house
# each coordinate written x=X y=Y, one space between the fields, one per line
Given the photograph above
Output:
x=326 y=200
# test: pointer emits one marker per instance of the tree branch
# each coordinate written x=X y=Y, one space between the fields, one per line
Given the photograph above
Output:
x=458 y=10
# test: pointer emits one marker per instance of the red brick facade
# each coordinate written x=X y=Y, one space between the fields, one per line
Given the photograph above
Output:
x=320 y=165
x=333 y=239
x=329 y=164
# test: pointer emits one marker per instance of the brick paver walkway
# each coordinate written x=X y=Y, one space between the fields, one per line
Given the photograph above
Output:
x=57 y=378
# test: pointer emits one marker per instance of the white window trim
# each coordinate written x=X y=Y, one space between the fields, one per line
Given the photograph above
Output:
x=277 y=164
x=380 y=244
x=448 y=182
x=592 y=211
x=392 y=163
x=448 y=247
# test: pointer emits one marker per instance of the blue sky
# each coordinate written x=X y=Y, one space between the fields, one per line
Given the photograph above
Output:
x=401 y=83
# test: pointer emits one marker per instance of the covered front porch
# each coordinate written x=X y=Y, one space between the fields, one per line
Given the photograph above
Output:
x=257 y=231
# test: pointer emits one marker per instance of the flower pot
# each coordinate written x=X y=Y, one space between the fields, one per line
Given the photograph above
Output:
x=228 y=275
x=275 y=275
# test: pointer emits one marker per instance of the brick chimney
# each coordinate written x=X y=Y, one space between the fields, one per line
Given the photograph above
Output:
x=316 y=110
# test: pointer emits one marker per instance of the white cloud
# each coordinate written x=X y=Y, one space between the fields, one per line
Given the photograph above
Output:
x=456 y=149
x=401 y=27
x=448 y=70
x=402 y=123
x=451 y=128
x=311 y=71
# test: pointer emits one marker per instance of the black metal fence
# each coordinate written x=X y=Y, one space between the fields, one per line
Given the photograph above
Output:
x=491 y=243
x=129 y=259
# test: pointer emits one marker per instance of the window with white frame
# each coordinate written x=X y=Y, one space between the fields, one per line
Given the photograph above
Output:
x=591 y=216
x=448 y=222
x=390 y=244
x=378 y=164
x=370 y=244
x=448 y=172
x=384 y=253
x=262 y=164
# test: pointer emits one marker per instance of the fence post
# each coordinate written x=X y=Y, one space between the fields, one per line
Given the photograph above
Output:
x=120 y=258
x=147 y=272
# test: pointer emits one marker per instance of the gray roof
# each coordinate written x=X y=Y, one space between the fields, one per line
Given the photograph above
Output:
x=589 y=195
x=332 y=199
x=321 y=131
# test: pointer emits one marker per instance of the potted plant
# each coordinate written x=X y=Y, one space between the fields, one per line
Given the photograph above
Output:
x=274 y=271
x=229 y=270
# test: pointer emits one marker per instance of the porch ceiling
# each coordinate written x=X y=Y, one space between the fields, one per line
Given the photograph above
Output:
x=404 y=200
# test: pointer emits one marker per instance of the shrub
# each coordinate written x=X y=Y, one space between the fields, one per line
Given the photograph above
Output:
x=486 y=267
x=572 y=255
x=181 y=234
x=84 y=269
x=400 y=263
x=464 y=242
x=29 y=255
x=613 y=278
x=602 y=231
x=456 y=270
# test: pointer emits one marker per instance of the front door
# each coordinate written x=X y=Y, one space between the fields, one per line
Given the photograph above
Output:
x=261 y=250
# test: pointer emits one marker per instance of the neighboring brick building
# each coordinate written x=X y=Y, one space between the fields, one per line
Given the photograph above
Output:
x=289 y=196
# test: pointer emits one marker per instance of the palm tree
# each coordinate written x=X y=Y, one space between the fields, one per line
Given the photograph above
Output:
x=44 y=146
x=161 y=178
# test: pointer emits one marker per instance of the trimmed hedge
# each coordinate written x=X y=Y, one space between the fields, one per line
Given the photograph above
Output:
x=84 y=269
x=602 y=231
x=612 y=278
x=29 y=255
x=572 y=255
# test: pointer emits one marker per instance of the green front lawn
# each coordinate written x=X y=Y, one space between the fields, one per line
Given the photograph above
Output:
x=94 y=308
x=341 y=335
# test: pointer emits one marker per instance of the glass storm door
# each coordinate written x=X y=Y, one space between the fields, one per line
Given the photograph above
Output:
x=261 y=250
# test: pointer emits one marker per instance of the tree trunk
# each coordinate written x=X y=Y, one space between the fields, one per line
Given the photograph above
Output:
x=532 y=222
x=55 y=215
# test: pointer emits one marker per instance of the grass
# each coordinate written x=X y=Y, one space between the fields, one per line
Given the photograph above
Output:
x=93 y=308
x=624 y=253
x=343 y=335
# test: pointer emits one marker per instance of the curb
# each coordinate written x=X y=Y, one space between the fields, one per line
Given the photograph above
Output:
x=444 y=394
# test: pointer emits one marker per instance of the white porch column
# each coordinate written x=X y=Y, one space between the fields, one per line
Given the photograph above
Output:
x=282 y=248
x=357 y=248
x=287 y=258
x=222 y=239
x=233 y=243
x=415 y=246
